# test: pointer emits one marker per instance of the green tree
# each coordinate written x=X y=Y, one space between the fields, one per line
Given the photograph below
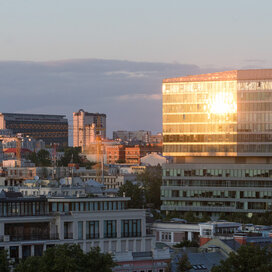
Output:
x=71 y=154
x=30 y=264
x=152 y=181
x=98 y=262
x=67 y=258
x=249 y=258
x=184 y=264
x=63 y=258
x=187 y=243
x=42 y=158
x=134 y=192
x=5 y=262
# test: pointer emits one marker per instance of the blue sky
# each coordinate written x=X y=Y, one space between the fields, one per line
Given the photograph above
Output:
x=111 y=56
x=207 y=33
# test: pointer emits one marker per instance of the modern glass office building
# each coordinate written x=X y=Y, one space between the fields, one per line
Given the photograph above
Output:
x=218 y=129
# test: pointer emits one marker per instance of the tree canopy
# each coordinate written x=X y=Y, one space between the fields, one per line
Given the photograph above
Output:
x=72 y=154
x=135 y=192
x=249 y=258
x=152 y=181
x=41 y=158
x=5 y=262
x=184 y=264
x=67 y=258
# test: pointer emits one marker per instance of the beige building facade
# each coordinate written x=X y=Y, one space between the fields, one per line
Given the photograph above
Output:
x=85 y=126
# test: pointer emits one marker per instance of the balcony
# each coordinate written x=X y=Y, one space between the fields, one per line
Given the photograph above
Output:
x=92 y=236
x=110 y=235
x=131 y=234
x=33 y=237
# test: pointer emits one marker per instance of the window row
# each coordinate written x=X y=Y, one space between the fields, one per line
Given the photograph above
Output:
x=198 y=118
x=217 y=194
x=205 y=138
x=217 y=173
x=203 y=128
x=129 y=228
x=240 y=148
x=23 y=208
x=219 y=183
x=86 y=206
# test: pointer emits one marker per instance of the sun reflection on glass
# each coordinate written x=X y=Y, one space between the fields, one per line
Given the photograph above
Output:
x=222 y=103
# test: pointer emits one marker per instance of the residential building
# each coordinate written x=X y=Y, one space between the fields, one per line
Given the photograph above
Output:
x=156 y=260
x=49 y=128
x=142 y=136
x=171 y=233
x=218 y=129
x=133 y=154
x=115 y=154
x=154 y=159
x=86 y=126
x=30 y=225
x=156 y=139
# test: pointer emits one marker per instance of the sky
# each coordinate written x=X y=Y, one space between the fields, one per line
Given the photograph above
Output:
x=57 y=56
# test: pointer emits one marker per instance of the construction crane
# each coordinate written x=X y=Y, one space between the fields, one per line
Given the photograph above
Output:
x=99 y=151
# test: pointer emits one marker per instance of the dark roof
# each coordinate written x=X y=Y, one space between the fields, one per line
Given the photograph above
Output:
x=10 y=194
x=204 y=261
x=234 y=245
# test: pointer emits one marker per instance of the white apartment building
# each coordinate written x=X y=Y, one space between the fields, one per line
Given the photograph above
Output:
x=29 y=225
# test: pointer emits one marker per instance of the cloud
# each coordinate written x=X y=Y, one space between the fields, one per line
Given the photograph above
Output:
x=128 y=92
x=128 y=97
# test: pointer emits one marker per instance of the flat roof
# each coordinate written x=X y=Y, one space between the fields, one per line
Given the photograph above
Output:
x=32 y=114
x=250 y=74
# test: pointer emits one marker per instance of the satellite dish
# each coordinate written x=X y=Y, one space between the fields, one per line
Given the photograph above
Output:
x=36 y=178
x=62 y=181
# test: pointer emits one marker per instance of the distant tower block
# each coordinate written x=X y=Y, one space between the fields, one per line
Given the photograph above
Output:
x=84 y=128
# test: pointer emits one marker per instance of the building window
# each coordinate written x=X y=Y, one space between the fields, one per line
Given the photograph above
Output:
x=80 y=230
x=110 y=229
x=131 y=228
x=92 y=229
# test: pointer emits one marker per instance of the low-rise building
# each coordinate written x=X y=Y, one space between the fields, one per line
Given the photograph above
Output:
x=172 y=233
x=29 y=225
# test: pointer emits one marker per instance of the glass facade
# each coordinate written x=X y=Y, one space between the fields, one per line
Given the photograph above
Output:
x=218 y=129
x=222 y=118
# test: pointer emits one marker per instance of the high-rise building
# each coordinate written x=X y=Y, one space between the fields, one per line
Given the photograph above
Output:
x=49 y=128
x=86 y=126
x=132 y=136
x=218 y=129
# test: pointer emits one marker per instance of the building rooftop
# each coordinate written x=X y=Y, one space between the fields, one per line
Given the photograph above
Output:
x=225 y=76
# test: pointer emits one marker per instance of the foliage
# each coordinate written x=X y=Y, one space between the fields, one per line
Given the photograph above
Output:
x=68 y=258
x=256 y=219
x=30 y=264
x=42 y=158
x=98 y=262
x=249 y=258
x=187 y=243
x=135 y=192
x=72 y=154
x=5 y=262
x=152 y=181
x=188 y=216
x=184 y=264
